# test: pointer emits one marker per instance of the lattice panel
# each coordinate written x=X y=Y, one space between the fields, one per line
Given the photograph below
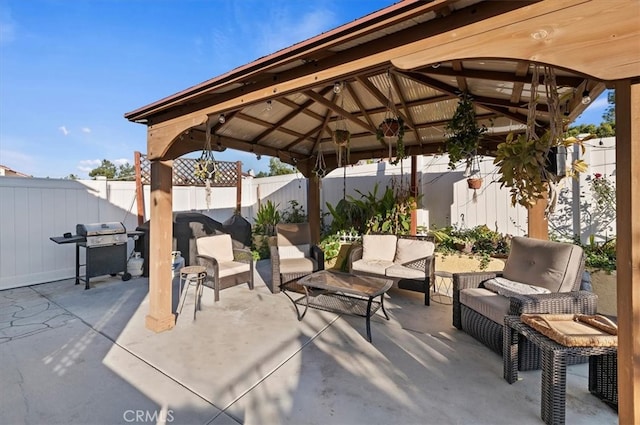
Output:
x=184 y=173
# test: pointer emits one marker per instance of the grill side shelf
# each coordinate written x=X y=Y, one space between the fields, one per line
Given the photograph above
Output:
x=73 y=239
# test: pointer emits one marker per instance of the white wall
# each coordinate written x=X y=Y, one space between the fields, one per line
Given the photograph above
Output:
x=33 y=210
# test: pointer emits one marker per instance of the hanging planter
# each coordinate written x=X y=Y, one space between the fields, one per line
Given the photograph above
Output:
x=341 y=137
x=464 y=133
x=474 y=182
x=389 y=129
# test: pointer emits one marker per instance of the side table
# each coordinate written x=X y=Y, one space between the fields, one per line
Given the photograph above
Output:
x=442 y=288
x=188 y=276
x=554 y=365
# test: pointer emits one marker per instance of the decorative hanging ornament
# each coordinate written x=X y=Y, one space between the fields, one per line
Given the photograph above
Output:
x=320 y=169
x=206 y=167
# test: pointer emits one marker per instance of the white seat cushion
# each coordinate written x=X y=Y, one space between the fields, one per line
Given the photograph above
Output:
x=298 y=265
x=232 y=268
x=216 y=246
x=399 y=271
x=371 y=266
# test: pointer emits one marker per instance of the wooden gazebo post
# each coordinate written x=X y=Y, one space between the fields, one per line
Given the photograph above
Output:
x=628 y=248
x=160 y=317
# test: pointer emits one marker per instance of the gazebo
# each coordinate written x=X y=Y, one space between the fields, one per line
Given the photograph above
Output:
x=412 y=60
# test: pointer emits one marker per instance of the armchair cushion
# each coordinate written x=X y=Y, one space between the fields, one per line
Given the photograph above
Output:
x=552 y=265
x=509 y=288
x=298 y=265
x=487 y=303
x=413 y=249
x=232 y=268
x=379 y=247
x=219 y=247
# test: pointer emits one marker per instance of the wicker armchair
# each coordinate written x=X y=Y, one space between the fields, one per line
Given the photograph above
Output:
x=293 y=256
x=226 y=266
x=556 y=266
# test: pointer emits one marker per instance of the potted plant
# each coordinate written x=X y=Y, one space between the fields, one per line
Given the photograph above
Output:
x=393 y=128
x=531 y=164
x=524 y=167
x=341 y=137
x=474 y=182
x=464 y=133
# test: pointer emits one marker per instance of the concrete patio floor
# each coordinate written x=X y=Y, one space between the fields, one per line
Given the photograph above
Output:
x=71 y=356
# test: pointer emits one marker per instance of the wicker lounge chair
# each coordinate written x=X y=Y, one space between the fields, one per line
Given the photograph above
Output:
x=293 y=256
x=226 y=266
x=558 y=267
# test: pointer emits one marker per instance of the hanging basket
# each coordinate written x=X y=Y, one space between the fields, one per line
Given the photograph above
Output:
x=474 y=183
x=390 y=127
x=341 y=137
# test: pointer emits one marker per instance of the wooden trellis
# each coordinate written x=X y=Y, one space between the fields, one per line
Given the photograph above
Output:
x=228 y=174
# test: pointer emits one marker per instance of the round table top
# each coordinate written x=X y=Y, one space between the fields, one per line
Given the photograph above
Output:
x=193 y=270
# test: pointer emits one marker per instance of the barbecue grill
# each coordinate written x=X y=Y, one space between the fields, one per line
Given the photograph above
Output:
x=105 y=247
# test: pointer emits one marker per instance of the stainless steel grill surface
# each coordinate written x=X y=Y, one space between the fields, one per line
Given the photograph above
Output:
x=102 y=234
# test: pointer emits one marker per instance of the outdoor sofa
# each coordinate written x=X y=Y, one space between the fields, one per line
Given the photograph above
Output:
x=408 y=261
x=539 y=277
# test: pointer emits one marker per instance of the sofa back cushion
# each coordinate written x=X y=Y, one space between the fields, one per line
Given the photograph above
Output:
x=379 y=247
x=219 y=247
x=553 y=265
x=412 y=249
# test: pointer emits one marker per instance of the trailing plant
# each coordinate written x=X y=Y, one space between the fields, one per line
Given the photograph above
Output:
x=523 y=160
x=464 y=133
x=393 y=128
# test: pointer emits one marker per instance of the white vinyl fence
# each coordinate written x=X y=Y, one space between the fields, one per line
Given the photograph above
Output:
x=32 y=210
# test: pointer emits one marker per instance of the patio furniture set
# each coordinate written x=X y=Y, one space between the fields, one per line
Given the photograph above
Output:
x=539 y=277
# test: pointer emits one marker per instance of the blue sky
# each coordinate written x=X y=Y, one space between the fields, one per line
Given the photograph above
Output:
x=70 y=69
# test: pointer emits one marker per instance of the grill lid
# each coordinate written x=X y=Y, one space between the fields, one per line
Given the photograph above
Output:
x=94 y=229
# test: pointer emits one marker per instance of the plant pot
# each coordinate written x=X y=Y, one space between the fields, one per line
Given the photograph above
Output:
x=341 y=137
x=390 y=128
x=474 y=183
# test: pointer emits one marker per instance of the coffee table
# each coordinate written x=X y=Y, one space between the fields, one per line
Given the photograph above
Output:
x=342 y=293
